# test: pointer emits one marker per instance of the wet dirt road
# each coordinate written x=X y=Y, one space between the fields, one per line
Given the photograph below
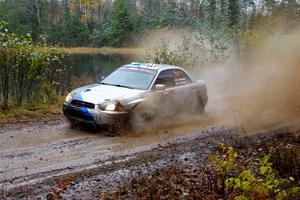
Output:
x=33 y=152
x=34 y=157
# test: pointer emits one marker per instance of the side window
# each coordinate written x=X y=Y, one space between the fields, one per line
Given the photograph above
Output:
x=165 y=78
x=172 y=77
x=180 y=77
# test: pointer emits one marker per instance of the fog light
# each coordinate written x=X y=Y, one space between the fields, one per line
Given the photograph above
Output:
x=69 y=98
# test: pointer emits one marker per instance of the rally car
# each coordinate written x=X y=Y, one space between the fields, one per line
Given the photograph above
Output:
x=137 y=92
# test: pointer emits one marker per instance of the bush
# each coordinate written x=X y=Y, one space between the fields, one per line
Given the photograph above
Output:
x=181 y=56
x=29 y=72
x=254 y=181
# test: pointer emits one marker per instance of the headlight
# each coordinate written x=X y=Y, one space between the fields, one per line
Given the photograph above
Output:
x=69 y=98
x=110 y=107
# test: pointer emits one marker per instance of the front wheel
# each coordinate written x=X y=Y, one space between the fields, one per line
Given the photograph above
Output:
x=73 y=124
x=140 y=116
x=117 y=127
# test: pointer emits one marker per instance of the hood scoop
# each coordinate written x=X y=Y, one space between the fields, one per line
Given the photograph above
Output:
x=87 y=90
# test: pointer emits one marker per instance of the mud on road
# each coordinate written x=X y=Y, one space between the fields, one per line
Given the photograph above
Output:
x=34 y=157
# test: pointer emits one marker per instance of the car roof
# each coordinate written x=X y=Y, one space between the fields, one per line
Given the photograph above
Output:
x=154 y=66
x=157 y=67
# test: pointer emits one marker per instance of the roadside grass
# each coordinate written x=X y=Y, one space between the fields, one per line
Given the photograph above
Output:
x=31 y=112
x=104 y=50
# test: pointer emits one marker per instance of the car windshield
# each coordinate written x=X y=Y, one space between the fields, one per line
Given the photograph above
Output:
x=133 y=78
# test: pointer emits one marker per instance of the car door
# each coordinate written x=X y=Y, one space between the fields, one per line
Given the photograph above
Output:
x=176 y=97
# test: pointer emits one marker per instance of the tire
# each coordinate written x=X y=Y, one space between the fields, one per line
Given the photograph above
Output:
x=113 y=131
x=117 y=127
x=200 y=107
x=73 y=124
x=140 y=116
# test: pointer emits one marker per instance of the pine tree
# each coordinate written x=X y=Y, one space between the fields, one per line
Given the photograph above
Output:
x=122 y=24
x=212 y=13
x=233 y=13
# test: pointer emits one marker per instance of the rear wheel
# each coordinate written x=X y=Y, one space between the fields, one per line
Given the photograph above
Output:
x=200 y=107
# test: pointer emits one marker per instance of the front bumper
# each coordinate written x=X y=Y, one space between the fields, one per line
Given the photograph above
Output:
x=93 y=116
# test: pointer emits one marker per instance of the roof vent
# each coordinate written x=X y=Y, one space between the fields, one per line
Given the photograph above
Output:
x=136 y=63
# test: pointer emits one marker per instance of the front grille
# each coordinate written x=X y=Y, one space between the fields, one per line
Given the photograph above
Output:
x=77 y=113
x=82 y=103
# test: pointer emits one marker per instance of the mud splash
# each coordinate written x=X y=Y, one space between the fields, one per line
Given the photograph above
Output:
x=254 y=92
x=261 y=92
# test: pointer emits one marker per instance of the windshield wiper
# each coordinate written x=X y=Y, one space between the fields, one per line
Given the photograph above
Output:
x=123 y=86
x=102 y=83
x=117 y=85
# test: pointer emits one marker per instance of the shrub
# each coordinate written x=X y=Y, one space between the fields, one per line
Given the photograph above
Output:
x=181 y=56
x=28 y=71
x=254 y=181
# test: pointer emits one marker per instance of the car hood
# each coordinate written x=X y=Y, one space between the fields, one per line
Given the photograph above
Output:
x=98 y=93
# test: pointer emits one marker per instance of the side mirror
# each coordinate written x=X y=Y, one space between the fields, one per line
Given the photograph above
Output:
x=160 y=87
x=102 y=78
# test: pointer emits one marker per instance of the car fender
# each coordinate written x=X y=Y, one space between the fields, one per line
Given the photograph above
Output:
x=133 y=103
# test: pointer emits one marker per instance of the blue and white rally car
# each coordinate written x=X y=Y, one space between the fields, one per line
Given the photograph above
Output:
x=136 y=92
